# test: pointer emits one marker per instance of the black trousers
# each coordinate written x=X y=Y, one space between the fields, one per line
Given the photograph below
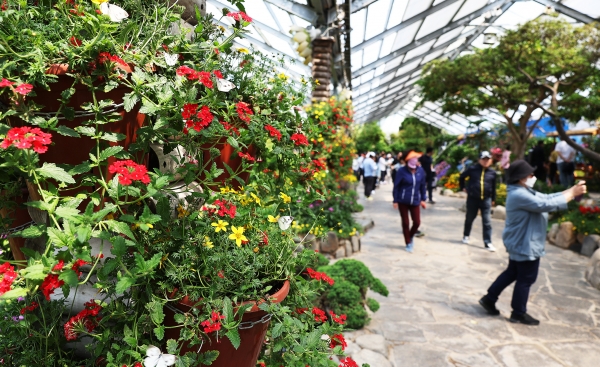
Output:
x=525 y=274
x=430 y=187
x=474 y=204
x=369 y=183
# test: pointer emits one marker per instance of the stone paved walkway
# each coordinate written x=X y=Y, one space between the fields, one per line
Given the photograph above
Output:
x=431 y=317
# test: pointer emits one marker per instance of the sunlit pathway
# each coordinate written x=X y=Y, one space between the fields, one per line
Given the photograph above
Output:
x=432 y=318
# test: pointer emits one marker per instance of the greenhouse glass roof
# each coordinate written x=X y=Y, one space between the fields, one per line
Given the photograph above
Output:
x=391 y=41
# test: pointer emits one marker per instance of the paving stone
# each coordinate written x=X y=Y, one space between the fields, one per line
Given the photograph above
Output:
x=351 y=348
x=495 y=328
x=372 y=358
x=409 y=355
x=572 y=318
x=499 y=212
x=406 y=314
x=400 y=332
x=453 y=337
x=482 y=359
x=524 y=355
x=373 y=342
x=592 y=272
x=562 y=302
x=550 y=332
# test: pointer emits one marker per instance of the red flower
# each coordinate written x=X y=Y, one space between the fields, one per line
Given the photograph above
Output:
x=319 y=276
x=59 y=266
x=261 y=364
x=212 y=324
x=88 y=318
x=273 y=131
x=239 y=16
x=24 y=89
x=7 y=277
x=5 y=83
x=196 y=120
x=50 y=283
x=105 y=57
x=220 y=274
x=137 y=364
x=301 y=310
x=218 y=74
x=77 y=264
x=223 y=210
x=26 y=138
x=347 y=362
x=184 y=70
x=74 y=41
x=320 y=315
x=246 y=156
x=244 y=112
x=205 y=79
x=338 y=339
x=299 y=139
x=339 y=319
x=129 y=171
x=29 y=308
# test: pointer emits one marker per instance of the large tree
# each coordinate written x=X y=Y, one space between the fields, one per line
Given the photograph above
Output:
x=370 y=137
x=546 y=67
x=416 y=134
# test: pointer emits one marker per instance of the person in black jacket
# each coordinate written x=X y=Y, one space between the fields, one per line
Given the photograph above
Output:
x=482 y=196
x=426 y=162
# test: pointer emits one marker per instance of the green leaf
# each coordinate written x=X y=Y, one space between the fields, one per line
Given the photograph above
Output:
x=119 y=227
x=234 y=337
x=79 y=169
x=35 y=272
x=131 y=341
x=265 y=112
x=154 y=261
x=109 y=152
x=269 y=145
x=32 y=231
x=50 y=170
x=129 y=101
x=14 y=293
x=123 y=284
x=67 y=131
x=148 y=107
x=209 y=357
x=231 y=141
x=277 y=330
x=70 y=277
x=112 y=137
x=68 y=213
x=228 y=310
x=161 y=122
x=156 y=312
x=58 y=237
x=172 y=346
x=119 y=248
x=86 y=130
x=159 y=332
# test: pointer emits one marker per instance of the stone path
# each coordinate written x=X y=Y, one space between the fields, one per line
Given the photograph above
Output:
x=431 y=317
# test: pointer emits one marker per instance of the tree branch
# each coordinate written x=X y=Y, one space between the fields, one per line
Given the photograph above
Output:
x=560 y=129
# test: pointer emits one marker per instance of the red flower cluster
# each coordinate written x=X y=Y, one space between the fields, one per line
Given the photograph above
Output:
x=195 y=119
x=7 y=277
x=319 y=276
x=319 y=164
x=589 y=210
x=229 y=127
x=29 y=308
x=129 y=171
x=239 y=16
x=299 y=139
x=244 y=112
x=341 y=319
x=212 y=324
x=88 y=318
x=265 y=240
x=273 y=131
x=301 y=310
x=77 y=264
x=347 y=362
x=320 y=315
x=338 y=339
x=191 y=74
x=105 y=57
x=218 y=74
x=74 y=41
x=246 y=156
x=24 y=89
x=220 y=274
x=27 y=138
x=50 y=283
x=223 y=210
x=59 y=266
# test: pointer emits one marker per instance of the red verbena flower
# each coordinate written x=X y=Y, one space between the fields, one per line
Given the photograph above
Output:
x=29 y=308
x=5 y=83
x=299 y=139
x=273 y=131
x=218 y=74
x=26 y=138
x=50 y=283
x=197 y=120
x=74 y=41
x=347 y=362
x=204 y=77
x=59 y=266
x=184 y=70
x=88 y=318
x=7 y=277
x=341 y=319
x=301 y=310
x=246 y=156
x=77 y=264
x=220 y=274
x=223 y=210
x=338 y=339
x=24 y=89
x=128 y=171
x=319 y=276
x=239 y=16
x=244 y=112
x=320 y=315
x=212 y=324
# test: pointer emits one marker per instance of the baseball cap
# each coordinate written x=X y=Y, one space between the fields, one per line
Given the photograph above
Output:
x=485 y=154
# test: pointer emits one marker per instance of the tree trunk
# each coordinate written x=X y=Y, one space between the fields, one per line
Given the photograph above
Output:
x=518 y=147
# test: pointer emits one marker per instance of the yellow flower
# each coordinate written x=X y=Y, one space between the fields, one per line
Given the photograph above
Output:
x=286 y=198
x=282 y=76
x=220 y=226
x=256 y=198
x=243 y=50
x=255 y=250
x=207 y=243
x=317 y=82
x=98 y=2
x=303 y=81
x=149 y=225
x=181 y=212
x=273 y=219
x=237 y=235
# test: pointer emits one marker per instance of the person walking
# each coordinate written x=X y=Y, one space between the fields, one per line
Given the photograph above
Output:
x=564 y=163
x=481 y=192
x=525 y=238
x=356 y=166
x=538 y=161
x=410 y=193
x=382 y=167
x=397 y=163
x=426 y=161
x=370 y=175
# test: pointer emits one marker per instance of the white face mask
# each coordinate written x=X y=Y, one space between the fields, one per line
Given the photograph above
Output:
x=530 y=181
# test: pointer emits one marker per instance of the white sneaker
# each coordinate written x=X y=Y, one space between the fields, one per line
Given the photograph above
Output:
x=490 y=247
x=370 y=198
x=465 y=240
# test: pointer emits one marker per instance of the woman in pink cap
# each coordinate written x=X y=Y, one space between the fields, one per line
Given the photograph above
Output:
x=410 y=191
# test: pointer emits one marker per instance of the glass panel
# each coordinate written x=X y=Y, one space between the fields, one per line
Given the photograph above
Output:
x=415 y=7
x=520 y=12
x=258 y=10
x=356 y=60
x=406 y=35
x=386 y=47
x=377 y=11
x=419 y=50
x=392 y=64
x=299 y=21
x=397 y=13
x=408 y=67
x=358 y=27
x=438 y=20
x=587 y=7
x=448 y=36
x=387 y=78
x=371 y=53
x=367 y=77
x=431 y=56
x=283 y=17
x=469 y=7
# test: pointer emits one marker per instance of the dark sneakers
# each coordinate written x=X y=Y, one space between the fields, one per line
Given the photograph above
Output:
x=489 y=306
x=523 y=319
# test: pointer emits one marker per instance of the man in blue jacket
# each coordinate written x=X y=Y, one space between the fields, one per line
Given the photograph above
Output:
x=482 y=196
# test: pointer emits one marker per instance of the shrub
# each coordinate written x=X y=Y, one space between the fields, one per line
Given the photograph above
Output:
x=373 y=304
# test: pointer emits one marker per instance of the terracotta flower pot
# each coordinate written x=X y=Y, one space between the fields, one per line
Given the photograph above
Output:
x=252 y=338
x=228 y=156
x=20 y=216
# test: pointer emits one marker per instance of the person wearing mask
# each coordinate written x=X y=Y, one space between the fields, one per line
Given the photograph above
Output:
x=538 y=160
x=481 y=192
x=370 y=175
x=426 y=161
x=409 y=193
x=356 y=166
x=525 y=238
x=564 y=163
x=382 y=167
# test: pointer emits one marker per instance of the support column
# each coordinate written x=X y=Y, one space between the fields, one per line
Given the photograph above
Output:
x=321 y=67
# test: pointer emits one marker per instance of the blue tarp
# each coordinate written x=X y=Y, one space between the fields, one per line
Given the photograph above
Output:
x=544 y=127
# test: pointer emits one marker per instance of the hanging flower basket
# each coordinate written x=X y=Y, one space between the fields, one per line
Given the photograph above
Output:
x=231 y=157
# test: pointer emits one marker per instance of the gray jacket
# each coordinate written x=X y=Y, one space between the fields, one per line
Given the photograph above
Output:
x=527 y=221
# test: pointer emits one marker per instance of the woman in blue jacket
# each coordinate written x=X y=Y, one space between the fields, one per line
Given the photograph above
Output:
x=525 y=238
x=410 y=191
